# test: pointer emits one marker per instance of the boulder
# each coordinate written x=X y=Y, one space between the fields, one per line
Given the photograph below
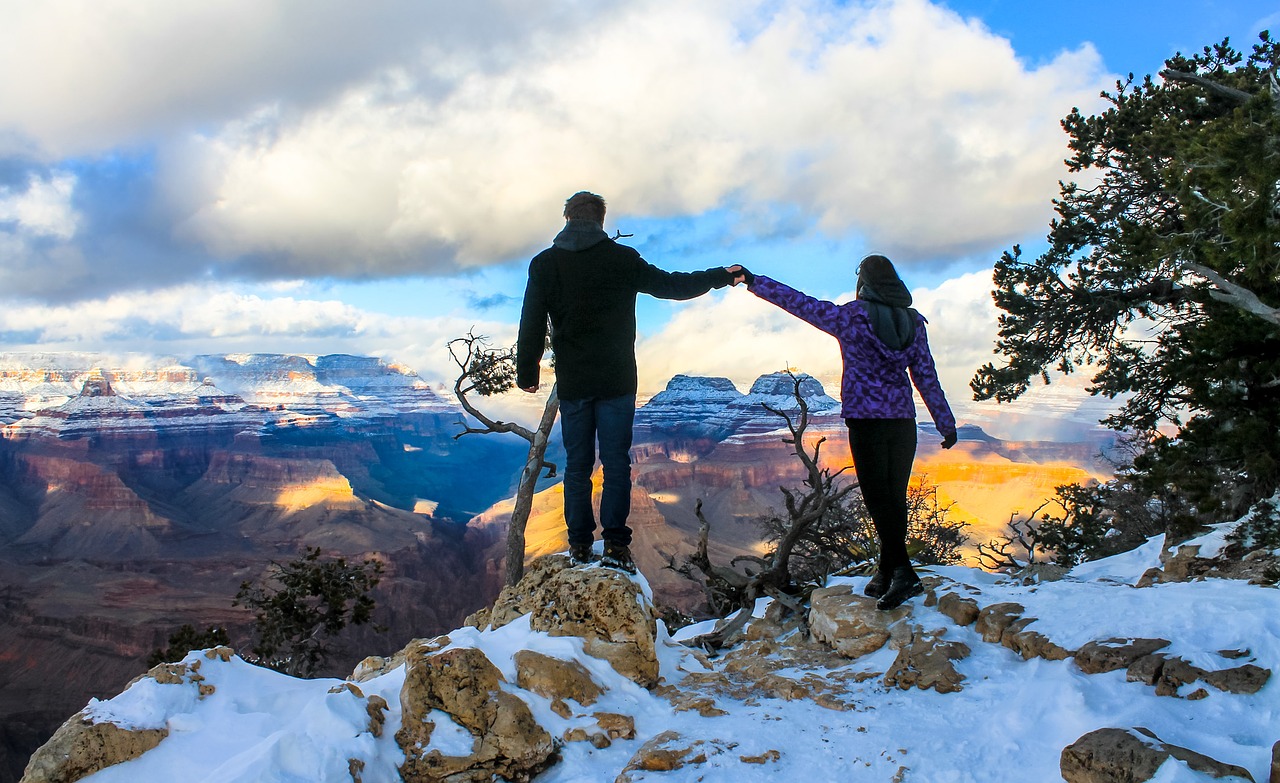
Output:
x=1174 y=674
x=1112 y=654
x=1275 y=763
x=1032 y=644
x=993 y=620
x=605 y=607
x=665 y=752
x=1242 y=679
x=961 y=610
x=555 y=678
x=669 y=751
x=1184 y=564
x=926 y=663
x=81 y=747
x=851 y=625
x=1146 y=669
x=1133 y=756
x=616 y=725
x=463 y=683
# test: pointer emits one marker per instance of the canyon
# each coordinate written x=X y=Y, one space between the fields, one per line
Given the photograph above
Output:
x=137 y=494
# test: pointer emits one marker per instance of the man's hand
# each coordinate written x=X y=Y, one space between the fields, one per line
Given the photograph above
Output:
x=740 y=274
x=531 y=389
x=949 y=440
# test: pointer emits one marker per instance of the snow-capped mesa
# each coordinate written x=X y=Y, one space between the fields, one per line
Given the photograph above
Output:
x=686 y=406
x=66 y=394
x=338 y=382
x=748 y=416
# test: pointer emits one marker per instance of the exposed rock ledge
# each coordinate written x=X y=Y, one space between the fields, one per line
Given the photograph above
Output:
x=451 y=687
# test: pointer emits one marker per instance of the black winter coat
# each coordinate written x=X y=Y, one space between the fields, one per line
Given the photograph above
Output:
x=589 y=295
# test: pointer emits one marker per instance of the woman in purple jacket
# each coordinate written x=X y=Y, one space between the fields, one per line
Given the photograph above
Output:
x=882 y=340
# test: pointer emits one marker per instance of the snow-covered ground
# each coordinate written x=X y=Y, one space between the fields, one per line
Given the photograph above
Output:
x=1009 y=723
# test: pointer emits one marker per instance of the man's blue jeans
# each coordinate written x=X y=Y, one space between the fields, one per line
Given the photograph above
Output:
x=582 y=424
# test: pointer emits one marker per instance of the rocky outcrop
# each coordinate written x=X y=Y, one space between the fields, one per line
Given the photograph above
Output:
x=462 y=683
x=1110 y=655
x=1004 y=624
x=1133 y=756
x=851 y=625
x=925 y=662
x=669 y=751
x=555 y=679
x=82 y=747
x=604 y=607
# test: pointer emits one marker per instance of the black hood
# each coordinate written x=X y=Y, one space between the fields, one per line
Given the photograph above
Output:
x=580 y=235
x=888 y=303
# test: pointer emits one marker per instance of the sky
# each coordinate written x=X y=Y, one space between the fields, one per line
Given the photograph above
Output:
x=298 y=176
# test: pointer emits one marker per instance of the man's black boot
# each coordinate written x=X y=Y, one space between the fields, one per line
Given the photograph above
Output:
x=904 y=585
x=618 y=556
x=581 y=555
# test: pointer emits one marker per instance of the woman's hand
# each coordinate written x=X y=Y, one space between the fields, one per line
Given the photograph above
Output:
x=740 y=274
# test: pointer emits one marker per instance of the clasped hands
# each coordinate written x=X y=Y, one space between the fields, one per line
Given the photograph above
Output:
x=740 y=274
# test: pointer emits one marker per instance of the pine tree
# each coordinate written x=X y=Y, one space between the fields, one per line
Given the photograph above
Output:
x=1163 y=278
x=300 y=606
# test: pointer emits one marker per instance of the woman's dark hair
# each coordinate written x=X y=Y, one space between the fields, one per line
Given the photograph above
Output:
x=877 y=269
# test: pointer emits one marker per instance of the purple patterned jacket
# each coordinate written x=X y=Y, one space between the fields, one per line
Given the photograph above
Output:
x=875 y=384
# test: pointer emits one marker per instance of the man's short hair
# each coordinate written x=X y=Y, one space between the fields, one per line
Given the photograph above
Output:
x=584 y=206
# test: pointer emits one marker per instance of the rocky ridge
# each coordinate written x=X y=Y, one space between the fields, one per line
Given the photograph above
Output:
x=539 y=685
x=70 y=395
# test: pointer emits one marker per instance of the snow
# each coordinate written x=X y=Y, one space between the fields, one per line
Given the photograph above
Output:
x=245 y=392
x=1124 y=568
x=1008 y=725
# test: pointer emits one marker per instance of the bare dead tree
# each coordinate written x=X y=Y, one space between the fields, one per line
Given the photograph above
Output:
x=770 y=576
x=1016 y=547
x=487 y=371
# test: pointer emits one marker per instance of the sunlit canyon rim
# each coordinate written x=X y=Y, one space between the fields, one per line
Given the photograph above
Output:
x=136 y=495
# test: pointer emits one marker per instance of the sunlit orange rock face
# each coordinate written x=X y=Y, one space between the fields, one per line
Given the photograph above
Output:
x=983 y=481
x=134 y=500
x=702 y=439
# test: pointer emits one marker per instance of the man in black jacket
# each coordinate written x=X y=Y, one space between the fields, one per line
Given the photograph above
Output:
x=586 y=284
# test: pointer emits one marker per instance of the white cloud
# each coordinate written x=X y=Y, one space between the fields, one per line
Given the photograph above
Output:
x=42 y=210
x=738 y=336
x=741 y=337
x=214 y=319
x=86 y=75
x=306 y=139
x=895 y=120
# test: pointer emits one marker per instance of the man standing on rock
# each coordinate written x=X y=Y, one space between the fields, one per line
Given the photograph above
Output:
x=586 y=285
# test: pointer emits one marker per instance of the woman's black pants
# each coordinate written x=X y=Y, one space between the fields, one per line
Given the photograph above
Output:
x=883 y=451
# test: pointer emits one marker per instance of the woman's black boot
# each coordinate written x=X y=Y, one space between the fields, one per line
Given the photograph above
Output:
x=904 y=585
x=878 y=584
